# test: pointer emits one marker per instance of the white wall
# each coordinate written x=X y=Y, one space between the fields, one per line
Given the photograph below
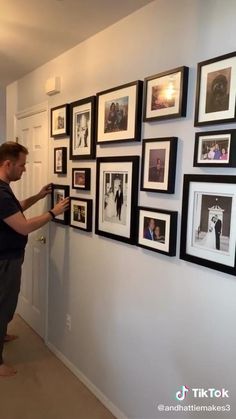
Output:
x=2 y=114
x=142 y=323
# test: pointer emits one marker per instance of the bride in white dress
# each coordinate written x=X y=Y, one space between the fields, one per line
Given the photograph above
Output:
x=110 y=209
x=210 y=237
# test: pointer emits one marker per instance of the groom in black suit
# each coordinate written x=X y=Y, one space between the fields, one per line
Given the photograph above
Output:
x=218 y=225
x=119 y=201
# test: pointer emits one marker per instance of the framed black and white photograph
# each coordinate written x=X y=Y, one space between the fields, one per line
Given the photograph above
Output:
x=60 y=126
x=159 y=164
x=82 y=122
x=116 y=197
x=216 y=91
x=81 y=213
x=215 y=148
x=60 y=192
x=157 y=229
x=81 y=178
x=60 y=160
x=208 y=230
x=165 y=95
x=119 y=113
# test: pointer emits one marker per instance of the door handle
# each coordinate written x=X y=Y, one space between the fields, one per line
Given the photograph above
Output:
x=41 y=239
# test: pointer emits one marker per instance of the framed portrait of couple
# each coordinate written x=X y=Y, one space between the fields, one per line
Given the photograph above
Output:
x=116 y=197
x=81 y=213
x=208 y=230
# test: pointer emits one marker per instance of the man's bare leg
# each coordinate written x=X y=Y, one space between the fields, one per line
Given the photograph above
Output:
x=7 y=371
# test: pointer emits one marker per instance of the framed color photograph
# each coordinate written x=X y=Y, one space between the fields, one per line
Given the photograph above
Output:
x=60 y=192
x=116 y=197
x=159 y=164
x=208 y=230
x=216 y=91
x=165 y=95
x=215 y=148
x=119 y=113
x=81 y=213
x=60 y=160
x=157 y=230
x=81 y=178
x=60 y=126
x=82 y=139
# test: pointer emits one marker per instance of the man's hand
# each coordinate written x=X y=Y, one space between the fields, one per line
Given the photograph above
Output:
x=46 y=190
x=61 y=206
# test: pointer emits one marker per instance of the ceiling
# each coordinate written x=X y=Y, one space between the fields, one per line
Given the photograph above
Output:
x=33 y=32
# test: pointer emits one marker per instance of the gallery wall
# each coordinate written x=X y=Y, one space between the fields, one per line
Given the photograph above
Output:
x=143 y=324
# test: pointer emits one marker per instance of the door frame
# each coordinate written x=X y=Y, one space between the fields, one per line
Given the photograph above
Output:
x=25 y=113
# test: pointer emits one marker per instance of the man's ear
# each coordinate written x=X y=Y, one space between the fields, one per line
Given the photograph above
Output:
x=7 y=164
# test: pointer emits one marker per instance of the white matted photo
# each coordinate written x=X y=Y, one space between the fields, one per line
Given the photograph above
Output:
x=81 y=213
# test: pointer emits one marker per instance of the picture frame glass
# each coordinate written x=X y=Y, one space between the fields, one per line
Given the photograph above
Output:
x=82 y=129
x=59 y=121
x=79 y=178
x=156 y=165
x=214 y=148
x=78 y=214
x=154 y=230
x=58 y=195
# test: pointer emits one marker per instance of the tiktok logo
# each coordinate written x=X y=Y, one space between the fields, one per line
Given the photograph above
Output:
x=180 y=395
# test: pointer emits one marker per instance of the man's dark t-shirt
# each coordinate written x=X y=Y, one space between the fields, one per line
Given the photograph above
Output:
x=12 y=244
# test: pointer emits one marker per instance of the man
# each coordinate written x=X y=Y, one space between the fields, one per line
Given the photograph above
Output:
x=119 y=201
x=149 y=231
x=14 y=229
x=156 y=173
x=217 y=154
x=218 y=225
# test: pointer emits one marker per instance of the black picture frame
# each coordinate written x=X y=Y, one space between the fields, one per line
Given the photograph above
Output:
x=116 y=197
x=124 y=124
x=208 y=227
x=60 y=192
x=83 y=182
x=215 y=91
x=81 y=213
x=162 y=239
x=82 y=129
x=60 y=121
x=215 y=149
x=60 y=160
x=164 y=152
x=165 y=95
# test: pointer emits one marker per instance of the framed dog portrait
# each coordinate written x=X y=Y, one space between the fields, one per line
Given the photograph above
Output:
x=116 y=197
x=60 y=160
x=81 y=213
x=82 y=137
x=216 y=91
x=208 y=230
x=215 y=149
x=81 y=178
x=119 y=113
x=60 y=126
x=60 y=192
x=157 y=229
x=159 y=164
x=165 y=95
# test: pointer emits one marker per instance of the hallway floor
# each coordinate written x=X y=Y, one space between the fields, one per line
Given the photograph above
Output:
x=43 y=388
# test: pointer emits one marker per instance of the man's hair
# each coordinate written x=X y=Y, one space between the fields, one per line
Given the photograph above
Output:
x=11 y=151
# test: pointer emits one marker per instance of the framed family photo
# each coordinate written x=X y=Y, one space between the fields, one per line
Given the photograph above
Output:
x=81 y=178
x=82 y=123
x=159 y=164
x=116 y=197
x=216 y=90
x=119 y=113
x=60 y=160
x=81 y=213
x=215 y=149
x=157 y=230
x=60 y=192
x=165 y=95
x=60 y=117
x=208 y=230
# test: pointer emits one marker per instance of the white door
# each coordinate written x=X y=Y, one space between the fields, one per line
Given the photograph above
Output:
x=32 y=132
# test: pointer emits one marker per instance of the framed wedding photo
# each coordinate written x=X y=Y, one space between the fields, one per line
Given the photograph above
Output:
x=119 y=113
x=81 y=178
x=215 y=149
x=60 y=160
x=60 y=192
x=81 y=213
x=82 y=137
x=116 y=197
x=157 y=230
x=216 y=91
x=60 y=126
x=165 y=95
x=208 y=229
x=159 y=164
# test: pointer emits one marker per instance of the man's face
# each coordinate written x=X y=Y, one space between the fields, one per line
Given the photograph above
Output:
x=16 y=168
x=151 y=224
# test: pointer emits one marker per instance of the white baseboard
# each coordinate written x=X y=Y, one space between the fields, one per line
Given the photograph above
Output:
x=97 y=393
